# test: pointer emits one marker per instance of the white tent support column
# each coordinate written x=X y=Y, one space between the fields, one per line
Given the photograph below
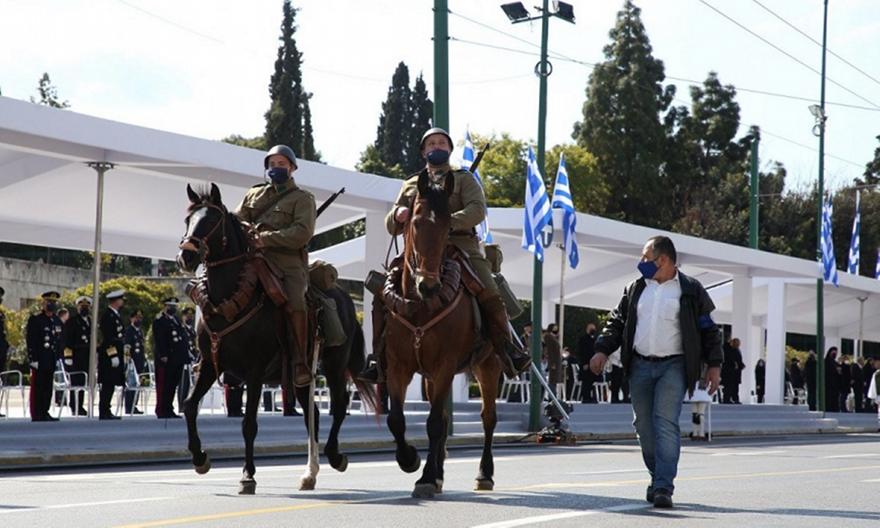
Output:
x=742 y=329
x=375 y=244
x=100 y=168
x=858 y=352
x=775 y=363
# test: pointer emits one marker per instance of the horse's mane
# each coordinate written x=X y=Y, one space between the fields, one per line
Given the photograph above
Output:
x=438 y=200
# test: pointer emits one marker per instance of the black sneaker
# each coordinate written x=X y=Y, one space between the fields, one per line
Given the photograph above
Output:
x=662 y=498
x=649 y=495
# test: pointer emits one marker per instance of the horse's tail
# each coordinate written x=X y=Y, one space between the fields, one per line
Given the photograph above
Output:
x=356 y=363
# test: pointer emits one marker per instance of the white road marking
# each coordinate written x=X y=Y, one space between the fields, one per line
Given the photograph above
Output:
x=528 y=521
x=607 y=471
x=746 y=453
x=853 y=455
x=872 y=480
x=81 y=505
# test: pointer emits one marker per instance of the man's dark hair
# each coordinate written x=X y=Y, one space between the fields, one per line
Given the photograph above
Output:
x=662 y=245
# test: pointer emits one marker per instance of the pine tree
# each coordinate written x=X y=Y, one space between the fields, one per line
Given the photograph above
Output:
x=422 y=116
x=393 y=133
x=284 y=119
x=871 y=175
x=308 y=148
x=49 y=94
x=621 y=123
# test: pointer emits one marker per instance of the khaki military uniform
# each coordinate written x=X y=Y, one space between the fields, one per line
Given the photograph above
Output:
x=285 y=229
x=468 y=206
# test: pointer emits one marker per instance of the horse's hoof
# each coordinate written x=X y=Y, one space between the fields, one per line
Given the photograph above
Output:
x=484 y=485
x=205 y=467
x=410 y=463
x=341 y=464
x=307 y=483
x=438 y=487
x=247 y=487
x=424 y=491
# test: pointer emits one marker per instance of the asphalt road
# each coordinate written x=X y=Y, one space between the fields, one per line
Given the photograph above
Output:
x=793 y=481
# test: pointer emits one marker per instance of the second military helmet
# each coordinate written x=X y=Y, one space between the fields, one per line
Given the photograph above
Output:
x=431 y=132
x=284 y=150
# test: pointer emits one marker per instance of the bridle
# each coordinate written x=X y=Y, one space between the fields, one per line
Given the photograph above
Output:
x=413 y=266
x=201 y=243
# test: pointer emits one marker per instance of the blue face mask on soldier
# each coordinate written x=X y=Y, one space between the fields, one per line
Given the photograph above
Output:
x=648 y=268
x=437 y=157
x=277 y=174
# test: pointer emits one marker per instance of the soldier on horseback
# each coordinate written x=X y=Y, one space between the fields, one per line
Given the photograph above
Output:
x=468 y=208
x=283 y=216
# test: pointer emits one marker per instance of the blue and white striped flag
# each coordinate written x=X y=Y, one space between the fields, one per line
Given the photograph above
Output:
x=537 y=213
x=877 y=266
x=467 y=159
x=855 y=242
x=562 y=200
x=829 y=263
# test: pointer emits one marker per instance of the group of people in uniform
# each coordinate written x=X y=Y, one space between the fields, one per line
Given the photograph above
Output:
x=283 y=217
x=53 y=345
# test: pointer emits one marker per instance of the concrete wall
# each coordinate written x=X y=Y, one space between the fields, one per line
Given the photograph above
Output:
x=25 y=280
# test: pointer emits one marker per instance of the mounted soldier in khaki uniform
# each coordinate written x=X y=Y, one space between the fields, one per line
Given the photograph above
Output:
x=468 y=206
x=283 y=216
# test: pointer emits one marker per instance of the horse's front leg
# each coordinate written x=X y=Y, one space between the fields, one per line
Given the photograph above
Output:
x=247 y=485
x=432 y=476
x=306 y=397
x=398 y=379
x=204 y=379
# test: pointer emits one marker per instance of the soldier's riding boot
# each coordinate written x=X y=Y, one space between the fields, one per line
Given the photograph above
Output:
x=302 y=374
x=374 y=372
x=512 y=357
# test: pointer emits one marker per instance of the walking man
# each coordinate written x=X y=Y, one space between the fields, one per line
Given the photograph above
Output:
x=666 y=334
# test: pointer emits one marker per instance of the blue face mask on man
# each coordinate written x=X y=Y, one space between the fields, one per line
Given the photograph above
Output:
x=648 y=268
x=437 y=157
x=277 y=175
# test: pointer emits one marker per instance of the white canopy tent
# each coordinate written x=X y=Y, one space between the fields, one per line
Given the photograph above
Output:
x=48 y=197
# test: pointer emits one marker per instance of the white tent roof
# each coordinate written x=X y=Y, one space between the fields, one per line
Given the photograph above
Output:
x=47 y=197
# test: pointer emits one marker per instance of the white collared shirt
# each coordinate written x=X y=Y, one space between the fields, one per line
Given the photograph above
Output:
x=658 y=330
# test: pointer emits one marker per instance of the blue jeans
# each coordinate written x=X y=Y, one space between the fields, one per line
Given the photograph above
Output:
x=657 y=390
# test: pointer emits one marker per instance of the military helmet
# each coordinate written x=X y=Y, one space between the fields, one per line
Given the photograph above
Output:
x=284 y=150
x=431 y=132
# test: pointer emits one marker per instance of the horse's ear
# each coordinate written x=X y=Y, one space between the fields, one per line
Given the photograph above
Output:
x=215 y=194
x=193 y=197
x=449 y=184
x=423 y=183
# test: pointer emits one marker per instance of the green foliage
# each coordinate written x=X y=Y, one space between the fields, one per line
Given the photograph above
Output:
x=503 y=169
x=289 y=100
x=48 y=94
x=406 y=114
x=16 y=321
x=258 y=142
x=140 y=294
x=589 y=189
x=872 y=170
x=621 y=123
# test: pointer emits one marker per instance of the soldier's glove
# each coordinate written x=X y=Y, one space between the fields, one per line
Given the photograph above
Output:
x=114 y=362
x=68 y=362
x=35 y=365
x=126 y=349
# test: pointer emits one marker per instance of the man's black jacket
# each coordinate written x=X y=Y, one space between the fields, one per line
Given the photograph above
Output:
x=700 y=336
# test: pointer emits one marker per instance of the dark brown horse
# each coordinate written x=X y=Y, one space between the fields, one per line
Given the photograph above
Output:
x=437 y=340
x=217 y=239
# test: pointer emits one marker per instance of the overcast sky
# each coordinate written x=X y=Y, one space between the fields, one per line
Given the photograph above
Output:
x=202 y=67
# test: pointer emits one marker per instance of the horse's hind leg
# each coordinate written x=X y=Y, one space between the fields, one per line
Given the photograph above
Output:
x=204 y=379
x=487 y=374
x=247 y=484
x=338 y=408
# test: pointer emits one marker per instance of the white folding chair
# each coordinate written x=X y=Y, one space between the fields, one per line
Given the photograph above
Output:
x=577 y=385
x=273 y=391
x=11 y=380
x=322 y=392
x=520 y=383
x=602 y=392
x=61 y=383
x=136 y=383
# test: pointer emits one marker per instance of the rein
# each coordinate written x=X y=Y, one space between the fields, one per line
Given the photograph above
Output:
x=418 y=332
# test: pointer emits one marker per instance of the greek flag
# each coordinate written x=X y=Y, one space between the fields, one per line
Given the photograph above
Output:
x=854 y=242
x=877 y=266
x=562 y=200
x=537 y=213
x=829 y=264
x=467 y=159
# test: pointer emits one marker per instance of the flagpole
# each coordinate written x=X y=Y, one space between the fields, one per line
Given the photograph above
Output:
x=562 y=296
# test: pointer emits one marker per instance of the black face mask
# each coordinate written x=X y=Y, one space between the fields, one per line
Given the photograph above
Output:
x=171 y=310
x=437 y=157
x=188 y=320
x=278 y=175
x=84 y=311
x=51 y=306
x=137 y=323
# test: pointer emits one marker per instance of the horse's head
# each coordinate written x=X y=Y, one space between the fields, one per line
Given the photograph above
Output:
x=205 y=228
x=429 y=232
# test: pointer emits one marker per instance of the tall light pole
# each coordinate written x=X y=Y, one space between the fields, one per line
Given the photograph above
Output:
x=819 y=114
x=517 y=13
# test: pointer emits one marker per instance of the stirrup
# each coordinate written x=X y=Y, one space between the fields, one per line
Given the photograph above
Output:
x=371 y=374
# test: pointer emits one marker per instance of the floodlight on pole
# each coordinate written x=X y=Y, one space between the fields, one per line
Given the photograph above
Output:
x=563 y=10
x=515 y=11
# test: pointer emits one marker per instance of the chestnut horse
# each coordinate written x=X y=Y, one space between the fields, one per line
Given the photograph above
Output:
x=435 y=341
x=217 y=239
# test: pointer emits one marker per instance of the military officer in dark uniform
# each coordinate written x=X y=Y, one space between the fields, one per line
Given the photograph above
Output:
x=77 y=338
x=135 y=350
x=4 y=344
x=192 y=353
x=44 y=348
x=111 y=367
x=170 y=349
